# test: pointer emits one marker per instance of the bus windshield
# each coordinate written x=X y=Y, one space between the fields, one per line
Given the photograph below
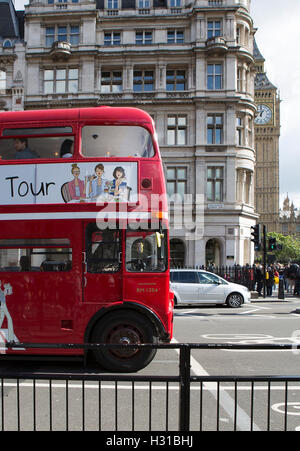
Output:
x=116 y=141
x=144 y=253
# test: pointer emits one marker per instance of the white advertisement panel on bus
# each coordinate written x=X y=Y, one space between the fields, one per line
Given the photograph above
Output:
x=68 y=183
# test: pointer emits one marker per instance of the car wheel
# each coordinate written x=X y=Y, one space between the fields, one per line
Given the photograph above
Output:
x=234 y=300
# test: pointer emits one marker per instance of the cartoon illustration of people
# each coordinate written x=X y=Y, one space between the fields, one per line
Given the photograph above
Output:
x=119 y=185
x=76 y=187
x=97 y=186
x=4 y=313
x=97 y=183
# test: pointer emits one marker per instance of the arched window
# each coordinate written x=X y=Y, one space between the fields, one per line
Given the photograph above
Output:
x=177 y=253
x=213 y=253
x=2 y=81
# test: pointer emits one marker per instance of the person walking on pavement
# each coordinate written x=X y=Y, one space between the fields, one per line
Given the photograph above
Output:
x=297 y=283
x=270 y=281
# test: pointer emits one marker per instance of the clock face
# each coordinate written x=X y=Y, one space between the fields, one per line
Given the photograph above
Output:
x=264 y=114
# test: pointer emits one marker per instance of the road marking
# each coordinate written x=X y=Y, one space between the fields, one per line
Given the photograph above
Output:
x=185 y=312
x=95 y=386
x=280 y=408
x=253 y=310
x=243 y=420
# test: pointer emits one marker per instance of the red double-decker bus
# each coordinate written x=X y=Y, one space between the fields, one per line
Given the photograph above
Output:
x=84 y=234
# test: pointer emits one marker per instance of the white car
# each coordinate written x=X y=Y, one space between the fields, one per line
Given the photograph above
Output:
x=192 y=286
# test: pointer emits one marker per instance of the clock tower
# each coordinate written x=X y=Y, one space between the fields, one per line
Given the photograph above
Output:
x=267 y=133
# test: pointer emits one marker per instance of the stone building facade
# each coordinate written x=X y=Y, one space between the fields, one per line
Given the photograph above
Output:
x=187 y=63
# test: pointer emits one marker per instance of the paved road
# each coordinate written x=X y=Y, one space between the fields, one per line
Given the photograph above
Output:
x=263 y=321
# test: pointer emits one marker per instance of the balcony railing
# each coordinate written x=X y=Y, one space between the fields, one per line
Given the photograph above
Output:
x=60 y=49
x=216 y=43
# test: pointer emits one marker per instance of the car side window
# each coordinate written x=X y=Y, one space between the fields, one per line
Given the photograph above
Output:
x=174 y=276
x=208 y=278
x=203 y=279
x=188 y=277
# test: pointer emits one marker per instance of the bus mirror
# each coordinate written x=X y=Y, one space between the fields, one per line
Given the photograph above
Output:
x=140 y=247
x=159 y=236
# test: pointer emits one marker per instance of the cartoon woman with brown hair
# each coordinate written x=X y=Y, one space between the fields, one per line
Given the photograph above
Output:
x=119 y=184
x=97 y=182
x=76 y=186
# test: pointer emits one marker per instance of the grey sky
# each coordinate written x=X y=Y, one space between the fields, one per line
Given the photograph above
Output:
x=277 y=36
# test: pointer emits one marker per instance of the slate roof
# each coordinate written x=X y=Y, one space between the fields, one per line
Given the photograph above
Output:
x=261 y=80
x=256 y=52
x=10 y=21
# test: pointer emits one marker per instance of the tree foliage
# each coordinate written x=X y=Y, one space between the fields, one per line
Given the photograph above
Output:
x=290 y=247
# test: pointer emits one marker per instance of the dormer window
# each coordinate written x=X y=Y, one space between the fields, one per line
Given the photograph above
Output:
x=7 y=44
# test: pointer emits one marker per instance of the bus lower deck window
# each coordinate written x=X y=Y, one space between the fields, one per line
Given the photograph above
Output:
x=25 y=257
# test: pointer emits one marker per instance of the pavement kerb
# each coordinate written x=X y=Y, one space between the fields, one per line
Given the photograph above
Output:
x=274 y=298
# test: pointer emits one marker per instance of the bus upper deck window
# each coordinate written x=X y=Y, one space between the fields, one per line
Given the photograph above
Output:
x=116 y=141
x=24 y=144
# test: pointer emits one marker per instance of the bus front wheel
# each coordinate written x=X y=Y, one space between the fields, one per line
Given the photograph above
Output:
x=124 y=328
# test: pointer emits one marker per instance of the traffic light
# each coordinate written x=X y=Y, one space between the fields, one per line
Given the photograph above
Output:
x=272 y=244
x=256 y=236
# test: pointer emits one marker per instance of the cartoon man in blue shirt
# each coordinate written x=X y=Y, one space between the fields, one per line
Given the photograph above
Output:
x=4 y=313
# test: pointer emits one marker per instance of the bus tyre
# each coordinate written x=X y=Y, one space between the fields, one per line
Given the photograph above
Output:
x=124 y=328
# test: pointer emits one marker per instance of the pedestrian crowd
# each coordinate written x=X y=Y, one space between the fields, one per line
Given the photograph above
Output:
x=289 y=274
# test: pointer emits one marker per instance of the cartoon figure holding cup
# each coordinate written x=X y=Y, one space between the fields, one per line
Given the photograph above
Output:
x=118 y=185
x=97 y=182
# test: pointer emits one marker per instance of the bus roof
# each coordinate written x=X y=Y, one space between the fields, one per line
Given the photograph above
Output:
x=105 y=113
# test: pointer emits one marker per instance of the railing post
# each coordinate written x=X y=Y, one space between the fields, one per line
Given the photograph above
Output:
x=185 y=388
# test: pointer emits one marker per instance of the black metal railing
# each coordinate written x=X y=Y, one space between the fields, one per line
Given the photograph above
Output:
x=91 y=400
x=243 y=275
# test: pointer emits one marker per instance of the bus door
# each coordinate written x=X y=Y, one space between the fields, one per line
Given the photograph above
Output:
x=102 y=278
